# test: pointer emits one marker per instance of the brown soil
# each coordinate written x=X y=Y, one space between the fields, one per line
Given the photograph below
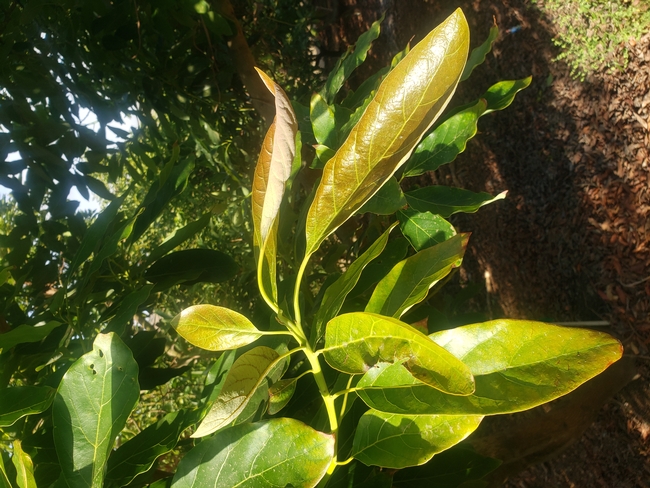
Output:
x=572 y=241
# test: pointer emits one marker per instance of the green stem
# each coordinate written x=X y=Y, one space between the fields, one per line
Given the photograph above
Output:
x=296 y=291
x=260 y=281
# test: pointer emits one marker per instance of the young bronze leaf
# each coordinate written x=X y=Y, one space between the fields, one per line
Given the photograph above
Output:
x=406 y=104
x=399 y=441
x=215 y=328
x=270 y=453
x=517 y=365
x=271 y=174
x=355 y=342
x=245 y=376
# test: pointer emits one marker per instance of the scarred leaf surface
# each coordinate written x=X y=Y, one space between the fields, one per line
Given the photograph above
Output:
x=355 y=342
x=276 y=452
x=399 y=441
x=215 y=328
x=406 y=104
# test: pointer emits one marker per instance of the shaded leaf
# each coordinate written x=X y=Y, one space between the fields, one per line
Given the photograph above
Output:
x=402 y=106
x=215 y=328
x=516 y=364
x=424 y=229
x=276 y=452
x=191 y=266
x=127 y=309
x=244 y=378
x=26 y=333
x=501 y=95
x=449 y=469
x=445 y=200
x=180 y=235
x=388 y=200
x=139 y=453
x=477 y=56
x=337 y=292
x=409 y=282
x=92 y=405
x=446 y=142
x=355 y=342
x=19 y=401
x=399 y=441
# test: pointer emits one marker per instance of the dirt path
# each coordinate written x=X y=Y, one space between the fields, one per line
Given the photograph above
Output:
x=572 y=241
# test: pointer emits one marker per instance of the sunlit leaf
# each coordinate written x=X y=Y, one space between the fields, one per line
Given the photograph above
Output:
x=448 y=469
x=409 y=282
x=407 y=103
x=276 y=452
x=446 y=142
x=92 y=405
x=424 y=229
x=246 y=375
x=398 y=441
x=349 y=62
x=18 y=401
x=446 y=201
x=24 y=466
x=337 y=292
x=215 y=328
x=477 y=56
x=355 y=342
x=501 y=95
x=271 y=174
x=517 y=365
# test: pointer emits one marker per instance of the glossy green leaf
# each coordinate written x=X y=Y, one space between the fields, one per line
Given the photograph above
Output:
x=24 y=466
x=191 y=266
x=355 y=342
x=409 y=282
x=446 y=142
x=424 y=229
x=388 y=200
x=215 y=328
x=246 y=375
x=399 y=441
x=276 y=452
x=407 y=103
x=337 y=292
x=280 y=394
x=271 y=175
x=448 y=469
x=446 y=201
x=19 y=401
x=26 y=333
x=501 y=95
x=323 y=121
x=477 y=56
x=139 y=453
x=349 y=62
x=517 y=365
x=92 y=405
x=4 y=478
x=394 y=252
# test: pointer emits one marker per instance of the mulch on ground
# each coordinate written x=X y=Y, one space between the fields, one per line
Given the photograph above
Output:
x=571 y=243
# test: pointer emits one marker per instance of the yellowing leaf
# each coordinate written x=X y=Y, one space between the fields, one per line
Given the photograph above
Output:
x=406 y=104
x=215 y=328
